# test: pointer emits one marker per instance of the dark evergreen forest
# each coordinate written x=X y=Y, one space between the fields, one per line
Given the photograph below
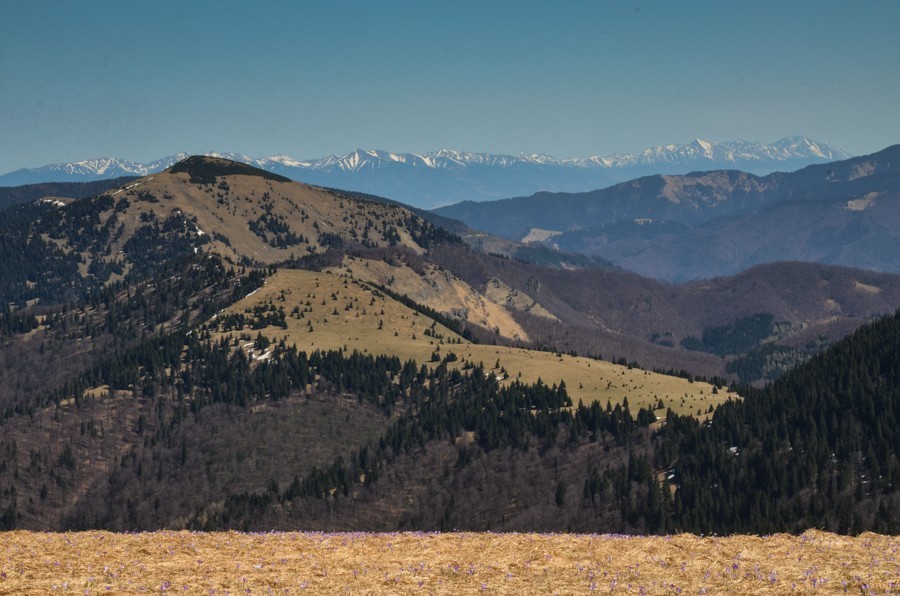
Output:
x=816 y=449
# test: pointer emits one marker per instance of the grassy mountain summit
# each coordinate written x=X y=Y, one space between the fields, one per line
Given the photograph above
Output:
x=199 y=205
x=205 y=170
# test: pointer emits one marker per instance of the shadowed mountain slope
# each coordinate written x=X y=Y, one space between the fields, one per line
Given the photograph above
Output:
x=717 y=223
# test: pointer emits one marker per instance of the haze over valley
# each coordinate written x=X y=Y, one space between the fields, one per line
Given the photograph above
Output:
x=708 y=224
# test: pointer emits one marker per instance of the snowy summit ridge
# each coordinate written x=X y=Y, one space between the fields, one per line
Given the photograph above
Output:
x=448 y=175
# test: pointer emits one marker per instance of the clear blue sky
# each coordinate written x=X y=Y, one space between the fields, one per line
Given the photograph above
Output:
x=141 y=80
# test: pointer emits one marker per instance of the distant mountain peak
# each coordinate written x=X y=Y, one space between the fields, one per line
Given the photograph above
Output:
x=706 y=148
x=450 y=175
x=803 y=146
x=792 y=147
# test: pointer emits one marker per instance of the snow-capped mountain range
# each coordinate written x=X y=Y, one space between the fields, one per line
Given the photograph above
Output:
x=447 y=176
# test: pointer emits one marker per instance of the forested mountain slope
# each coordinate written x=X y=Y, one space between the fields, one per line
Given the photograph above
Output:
x=817 y=448
x=15 y=195
x=187 y=383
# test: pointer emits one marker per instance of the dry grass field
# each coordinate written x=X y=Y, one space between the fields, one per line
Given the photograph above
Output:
x=338 y=312
x=291 y=563
x=223 y=210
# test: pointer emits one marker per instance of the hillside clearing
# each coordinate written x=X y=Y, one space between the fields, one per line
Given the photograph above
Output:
x=334 y=312
x=455 y=563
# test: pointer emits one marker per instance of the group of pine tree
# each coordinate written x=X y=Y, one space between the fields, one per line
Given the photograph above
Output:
x=816 y=448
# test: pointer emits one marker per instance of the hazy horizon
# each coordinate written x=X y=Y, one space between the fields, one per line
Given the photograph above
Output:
x=89 y=80
x=220 y=151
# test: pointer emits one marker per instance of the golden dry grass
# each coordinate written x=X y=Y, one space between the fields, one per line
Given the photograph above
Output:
x=402 y=330
x=227 y=211
x=290 y=563
x=439 y=289
x=403 y=334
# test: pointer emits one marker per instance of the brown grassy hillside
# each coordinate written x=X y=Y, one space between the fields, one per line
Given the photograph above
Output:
x=287 y=563
x=253 y=217
x=616 y=313
x=338 y=312
x=256 y=217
